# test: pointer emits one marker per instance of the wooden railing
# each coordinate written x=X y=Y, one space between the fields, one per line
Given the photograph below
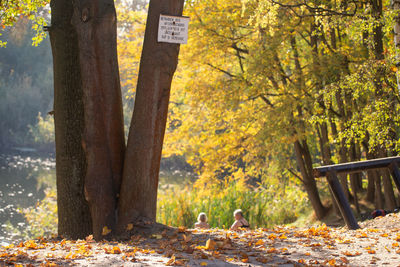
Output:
x=331 y=171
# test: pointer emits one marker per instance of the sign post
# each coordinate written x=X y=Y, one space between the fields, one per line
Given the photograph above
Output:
x=173 y=29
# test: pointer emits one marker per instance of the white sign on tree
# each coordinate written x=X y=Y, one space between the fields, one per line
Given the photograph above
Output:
x=173 y=29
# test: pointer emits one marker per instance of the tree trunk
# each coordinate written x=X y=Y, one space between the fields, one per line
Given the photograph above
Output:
x=74 y=219
x=138 y=198
x=322 y=130
x=378 y=191
x=390 y=199
x=396 y=8
x=370 y=196
x=103 y=139
x=354 y=176
x=303 y=161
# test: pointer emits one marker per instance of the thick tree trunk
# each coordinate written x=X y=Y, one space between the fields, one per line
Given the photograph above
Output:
x=354 y=176
x=74 y=220
x=304 y=162
x=96 y=26
x=158 y=63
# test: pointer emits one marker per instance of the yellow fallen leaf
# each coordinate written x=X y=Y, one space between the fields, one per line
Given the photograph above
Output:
x=31 y=244
x=129 y=227
x=105 y=231
x=332 y=262
x=116 y=250
x=282 y=236
x=351 y=254
x=187 y=238
x=203 y=263
x=210 y=244
x=171 y=261
x=259 y=242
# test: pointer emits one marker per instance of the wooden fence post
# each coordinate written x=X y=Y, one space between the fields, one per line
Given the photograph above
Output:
x=394 y=168
x=342 y=201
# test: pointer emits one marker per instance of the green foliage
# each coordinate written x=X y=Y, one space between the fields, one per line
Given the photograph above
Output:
x=12 y=12
x=42 y=219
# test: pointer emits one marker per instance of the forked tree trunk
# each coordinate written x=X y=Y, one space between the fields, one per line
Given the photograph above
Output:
x=74 y=220
x=103 y=140
x=158 y=63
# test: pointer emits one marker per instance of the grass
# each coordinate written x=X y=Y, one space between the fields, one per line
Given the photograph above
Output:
x=263 y=206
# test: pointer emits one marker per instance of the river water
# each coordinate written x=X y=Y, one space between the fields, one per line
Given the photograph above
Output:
x=24 y=177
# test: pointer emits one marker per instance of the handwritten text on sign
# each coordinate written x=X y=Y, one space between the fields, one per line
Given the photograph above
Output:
x=173 y=29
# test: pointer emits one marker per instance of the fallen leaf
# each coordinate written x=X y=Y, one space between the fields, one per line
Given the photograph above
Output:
x=129 y=227
x=332 y=262
x=210 y=244
x=259 y=242
x=351 y=254
x=105 y=231
x=187 y=238
x=181 y=229
x=171 y=261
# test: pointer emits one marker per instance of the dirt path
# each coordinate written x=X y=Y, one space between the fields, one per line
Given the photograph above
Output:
x=376 y=244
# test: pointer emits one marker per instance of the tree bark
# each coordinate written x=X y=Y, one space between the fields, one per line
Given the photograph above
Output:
x=304 y=162
x=103 y=139
x=354 y=176
x=378 y=191
x=390 y=199
x=158 y=63
x=74 y=220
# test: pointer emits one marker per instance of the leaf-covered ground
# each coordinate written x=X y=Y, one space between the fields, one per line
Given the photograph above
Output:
x=376 y=244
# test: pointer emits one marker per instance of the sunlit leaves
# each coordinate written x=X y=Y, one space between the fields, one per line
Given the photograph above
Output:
x=13 y=11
